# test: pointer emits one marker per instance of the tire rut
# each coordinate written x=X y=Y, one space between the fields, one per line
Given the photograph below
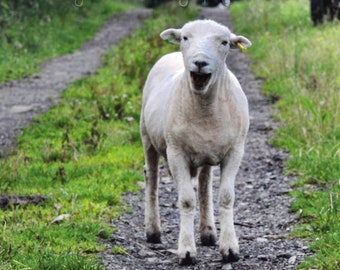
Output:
x=23 y=100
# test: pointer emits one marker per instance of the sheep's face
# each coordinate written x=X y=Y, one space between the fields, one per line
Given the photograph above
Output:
x=205 y=45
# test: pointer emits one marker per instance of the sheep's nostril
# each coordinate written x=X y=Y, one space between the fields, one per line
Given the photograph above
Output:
x=201 y=64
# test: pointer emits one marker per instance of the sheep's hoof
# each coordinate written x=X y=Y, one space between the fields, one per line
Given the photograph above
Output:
x=154 y=238
x=231 y=257
x=208 y=240
x=188 y=260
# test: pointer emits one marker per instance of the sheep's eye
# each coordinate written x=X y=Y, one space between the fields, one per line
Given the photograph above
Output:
x=224 y=43
x=185 y=38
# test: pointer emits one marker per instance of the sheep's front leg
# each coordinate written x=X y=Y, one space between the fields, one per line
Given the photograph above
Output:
x=187 y=204
x=207 y=222
x=152 y=219
x=228 y=241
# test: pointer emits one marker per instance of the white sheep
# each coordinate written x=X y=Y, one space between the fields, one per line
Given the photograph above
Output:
x=195 y=115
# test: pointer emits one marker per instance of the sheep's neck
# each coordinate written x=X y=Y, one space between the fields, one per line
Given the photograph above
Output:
x=208 y=105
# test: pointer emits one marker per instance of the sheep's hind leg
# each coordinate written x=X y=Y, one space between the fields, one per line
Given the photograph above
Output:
x=152 y=218
x=205 y=194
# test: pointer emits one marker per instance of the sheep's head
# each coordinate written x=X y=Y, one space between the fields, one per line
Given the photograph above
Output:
x=205 y=45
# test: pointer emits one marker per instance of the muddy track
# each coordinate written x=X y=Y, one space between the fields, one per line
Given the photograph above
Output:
x=21 y=101
x=262 y=218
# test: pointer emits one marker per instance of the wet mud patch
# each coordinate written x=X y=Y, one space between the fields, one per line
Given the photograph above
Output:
x=6 y=201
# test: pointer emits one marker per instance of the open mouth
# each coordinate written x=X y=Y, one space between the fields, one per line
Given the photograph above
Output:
x=200 y=80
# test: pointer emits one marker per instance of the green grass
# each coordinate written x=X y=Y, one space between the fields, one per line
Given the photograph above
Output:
x=82 y=154
x=300 y=64
x=34 y=31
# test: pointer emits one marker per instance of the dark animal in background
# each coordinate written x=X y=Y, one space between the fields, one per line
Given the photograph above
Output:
x=321 y=9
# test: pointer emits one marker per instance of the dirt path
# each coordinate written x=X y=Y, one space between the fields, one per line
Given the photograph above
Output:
x=21 y=101
x=262 y=218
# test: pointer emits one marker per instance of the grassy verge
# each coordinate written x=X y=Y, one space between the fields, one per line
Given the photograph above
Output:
x=33 y=31
x=300 y=64
x=82 y=154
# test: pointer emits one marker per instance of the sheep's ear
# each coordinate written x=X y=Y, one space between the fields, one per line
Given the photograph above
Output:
x=172 y=35
x=239 y=42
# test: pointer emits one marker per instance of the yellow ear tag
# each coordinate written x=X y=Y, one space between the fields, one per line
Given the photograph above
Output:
x=242 y=48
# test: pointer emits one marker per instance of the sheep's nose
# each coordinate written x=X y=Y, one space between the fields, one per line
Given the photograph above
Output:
x=200 y=64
